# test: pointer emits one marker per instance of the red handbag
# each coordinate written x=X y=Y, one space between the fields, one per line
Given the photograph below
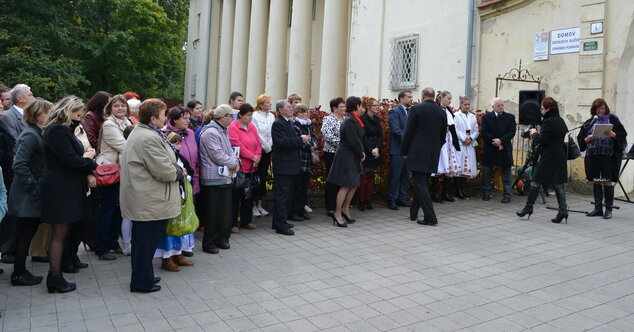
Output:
x=107 y=175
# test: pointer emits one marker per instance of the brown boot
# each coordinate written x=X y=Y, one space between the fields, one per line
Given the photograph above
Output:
x=182 y=261
x=250 y=226
x=169 y=265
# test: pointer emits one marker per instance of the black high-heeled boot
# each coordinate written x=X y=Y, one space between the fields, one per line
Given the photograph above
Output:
x=608 y=192
x=597 y=191
x=435 y=195
x=59 y=284
x=563 y=207
x=530 y=201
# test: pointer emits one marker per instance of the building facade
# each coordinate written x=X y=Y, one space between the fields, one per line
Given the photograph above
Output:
x=322 y=49
x=601 y=67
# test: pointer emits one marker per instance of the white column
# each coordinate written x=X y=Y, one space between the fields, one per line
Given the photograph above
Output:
x=226 y=50
x=334 y=52
x=240 y=46
x=275 y=85
x=256 y=61
x=299 y=49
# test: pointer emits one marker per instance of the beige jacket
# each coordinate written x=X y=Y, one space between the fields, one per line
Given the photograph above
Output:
x=149 y=190
x=112 y=142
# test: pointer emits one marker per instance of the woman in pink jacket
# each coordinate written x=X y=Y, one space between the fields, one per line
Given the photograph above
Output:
x=244 y=135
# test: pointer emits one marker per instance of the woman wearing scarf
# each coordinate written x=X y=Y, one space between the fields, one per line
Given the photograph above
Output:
x=173 y=250
x=346 y=166
x=551 y=166
x=603 y=155
x=303 y=125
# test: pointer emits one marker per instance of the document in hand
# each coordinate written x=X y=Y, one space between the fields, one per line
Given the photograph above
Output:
x=601 y=129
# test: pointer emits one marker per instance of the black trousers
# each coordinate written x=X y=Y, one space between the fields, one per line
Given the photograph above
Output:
x=71 y=243
x=241 y=207
x=300 y=193
x=217 y=216
x=486 y=179
x=283 y=186
x=331 y=188
x=26 y=229
x=263 y=170
x=422 y=199
x=146 y=236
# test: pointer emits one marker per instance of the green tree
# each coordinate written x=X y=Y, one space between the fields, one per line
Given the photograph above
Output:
x=79 y=47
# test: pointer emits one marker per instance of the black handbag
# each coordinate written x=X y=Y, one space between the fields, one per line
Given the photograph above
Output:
x=573 y=149
x=241 y=180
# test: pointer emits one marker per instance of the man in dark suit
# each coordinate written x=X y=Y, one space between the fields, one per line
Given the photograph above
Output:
x=424 y=136
x=286 y=164
x=498 y=129
x=399 y=175
x=12 y=126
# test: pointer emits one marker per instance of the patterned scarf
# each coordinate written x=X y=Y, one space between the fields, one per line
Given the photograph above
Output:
x=601 y=145
x=164 y=137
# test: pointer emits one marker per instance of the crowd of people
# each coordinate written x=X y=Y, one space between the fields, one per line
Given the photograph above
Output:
x=119 y=167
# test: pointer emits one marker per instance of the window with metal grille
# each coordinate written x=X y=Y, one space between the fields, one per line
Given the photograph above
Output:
x=404 y=62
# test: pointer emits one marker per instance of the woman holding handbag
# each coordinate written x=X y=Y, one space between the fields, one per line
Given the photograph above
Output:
x=111 y=144
x=244 y=134
x=65 y=183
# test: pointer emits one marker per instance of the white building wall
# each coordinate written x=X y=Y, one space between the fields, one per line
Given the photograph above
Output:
x=197 y=50
x=442 y=29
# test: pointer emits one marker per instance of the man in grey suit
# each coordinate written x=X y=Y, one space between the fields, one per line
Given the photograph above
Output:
x=12 y=125
x=21 y=95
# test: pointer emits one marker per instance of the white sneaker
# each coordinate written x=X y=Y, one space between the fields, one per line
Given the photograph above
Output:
x=263 y=212
x=308 y=209
x=256 y=212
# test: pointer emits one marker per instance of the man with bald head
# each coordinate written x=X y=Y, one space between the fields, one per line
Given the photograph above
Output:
x=498 y=129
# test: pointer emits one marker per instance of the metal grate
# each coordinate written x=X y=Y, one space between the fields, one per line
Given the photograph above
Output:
x=404 y=62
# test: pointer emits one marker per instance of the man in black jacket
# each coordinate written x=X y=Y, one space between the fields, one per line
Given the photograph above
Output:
x=424 y=136
x=286 y=164
x=498 y=129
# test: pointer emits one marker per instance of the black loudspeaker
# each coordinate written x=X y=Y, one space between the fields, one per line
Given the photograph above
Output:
x=530 y=106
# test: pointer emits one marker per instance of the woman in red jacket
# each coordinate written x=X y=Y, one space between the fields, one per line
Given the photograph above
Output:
x=244 y=135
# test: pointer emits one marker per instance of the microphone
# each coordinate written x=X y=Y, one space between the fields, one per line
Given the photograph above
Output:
x=594 y=119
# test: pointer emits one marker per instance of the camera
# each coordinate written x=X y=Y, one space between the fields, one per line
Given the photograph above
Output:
x=526 y=131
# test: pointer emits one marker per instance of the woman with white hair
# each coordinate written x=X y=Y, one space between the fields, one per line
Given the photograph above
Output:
x=65 y=182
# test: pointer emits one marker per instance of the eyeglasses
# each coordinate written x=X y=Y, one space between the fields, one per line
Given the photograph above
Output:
x=377 y=105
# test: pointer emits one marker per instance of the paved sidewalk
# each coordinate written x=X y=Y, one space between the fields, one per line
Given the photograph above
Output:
x=480 y=269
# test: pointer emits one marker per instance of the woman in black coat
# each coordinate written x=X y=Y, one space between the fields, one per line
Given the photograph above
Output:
x=24 y=201
x=603 y=155
x=372 y=145
x=551 y=166
x=346 y=166
x=65 y=182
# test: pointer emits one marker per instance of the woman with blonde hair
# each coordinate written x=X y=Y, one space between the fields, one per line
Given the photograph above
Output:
x=24 y=201
x=65 y=182
x=372 y=145
x=263 y=120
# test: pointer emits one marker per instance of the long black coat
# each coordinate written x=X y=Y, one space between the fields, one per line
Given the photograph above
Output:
x=502 y=127
x=373 y=138
x=551 y=166
x=28 y=168
x=286 y=145
x=424 y=136
x=64 y=184
x=346 y=166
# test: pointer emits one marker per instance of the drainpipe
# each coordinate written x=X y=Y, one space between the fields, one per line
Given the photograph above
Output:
x=467 y=83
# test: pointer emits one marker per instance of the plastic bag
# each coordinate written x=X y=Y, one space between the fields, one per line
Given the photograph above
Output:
x=187 y=222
